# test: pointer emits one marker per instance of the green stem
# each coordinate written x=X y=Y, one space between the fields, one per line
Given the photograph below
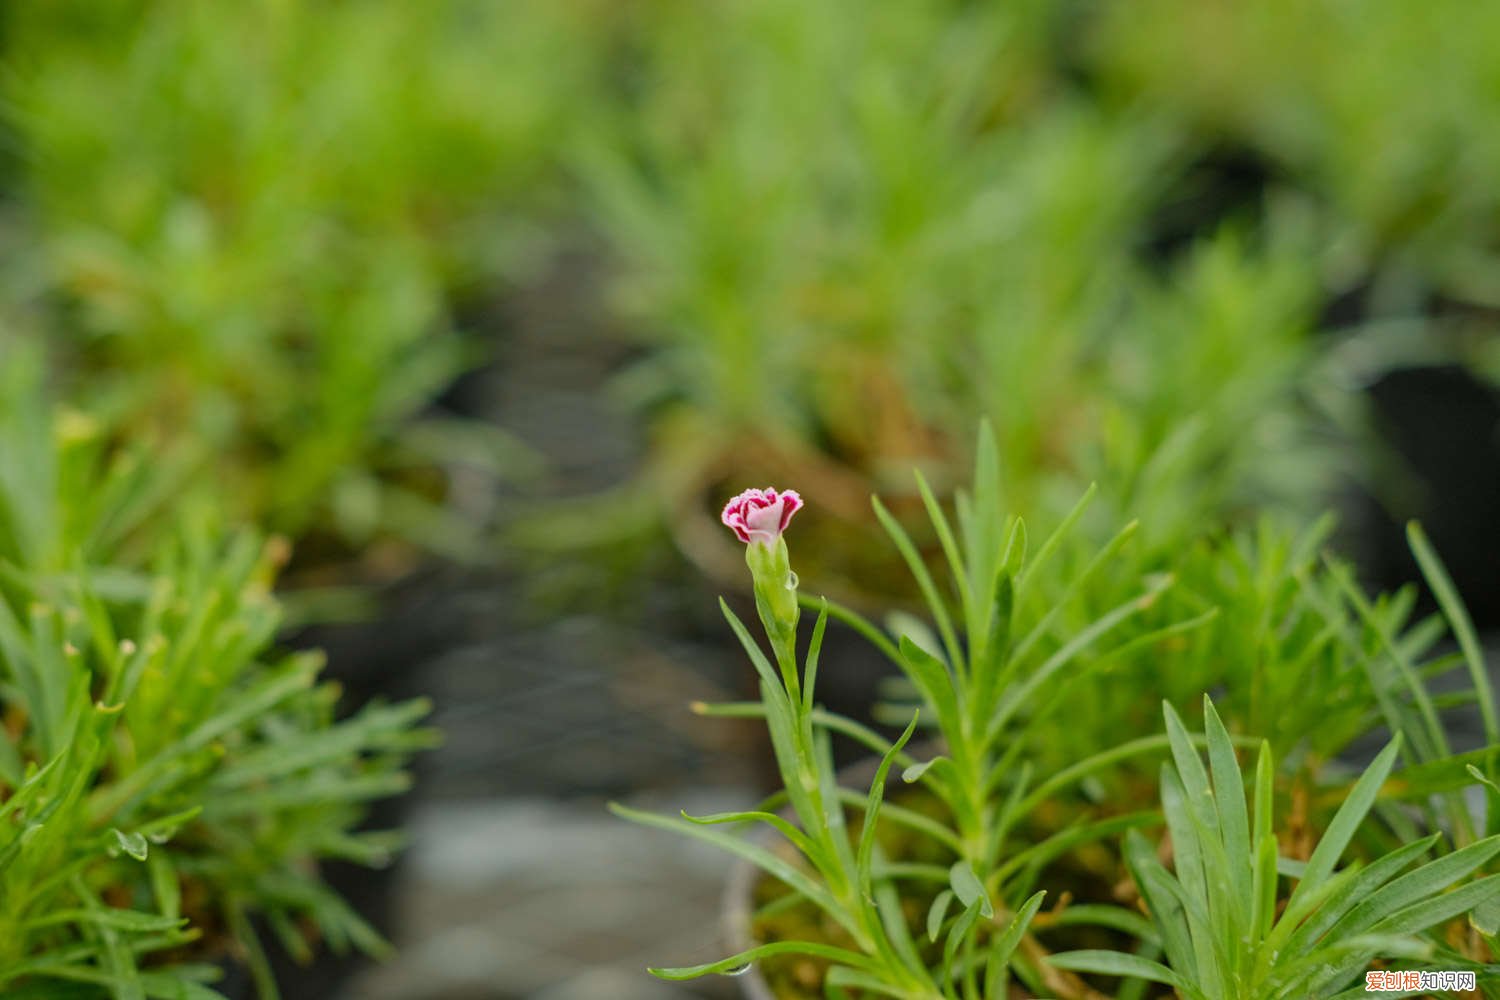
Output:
x=866 y=923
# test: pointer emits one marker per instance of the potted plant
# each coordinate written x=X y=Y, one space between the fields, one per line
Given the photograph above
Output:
x=1000 y=865
x=169 y=782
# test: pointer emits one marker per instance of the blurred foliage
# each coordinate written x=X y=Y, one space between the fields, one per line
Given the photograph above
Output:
x=248 y=225
x=840 y=234
x=1370 y=108
x=1043 y=656
x=248 y=236
x=166 y=778
x=846 y=232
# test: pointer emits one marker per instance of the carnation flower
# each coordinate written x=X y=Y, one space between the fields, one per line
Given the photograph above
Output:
x=761 y=515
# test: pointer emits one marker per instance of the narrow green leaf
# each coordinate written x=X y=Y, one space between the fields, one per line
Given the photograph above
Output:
x=1485 y=917
x=1075 y=584
x=1438 y=908
x=1491 y=787
x=914 y=773
x=787 y=830
x=1427 y=880
x=1056 y=537
x=124 y=920
x=1429 y=739
x=1193 y=877
x=1463 y=628
x=840 y=976
x=962 y=928
x=1164 y=900
x=752 y=649
x=872 y=811
x=1005 y=944
x=1323 y=970
x=919 y=573
x=950 y=548
x=1127 y=921
x=1018 y=695
x=1229 y=799
x=1013 y=557
x=888 y=901
x=909 y=818
x=734 y=963
x=1114 y=963
x=1263 y=882
x=967 y=887
x=987 y=662
x=166 y=889
x=1344 y=907
x=1197 y=794
x=1341 y=829
x=769 y=862
x=814 y=650
x=937 y=911
x=934 y=681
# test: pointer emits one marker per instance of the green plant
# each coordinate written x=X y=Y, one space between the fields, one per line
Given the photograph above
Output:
x=1220 y=918
x=1363 y=137
x=166 y=777
x=260 y=247
x=835 y=284
x=1361 y=145
x=846 y=876
x=979 y=694
x=1031 y=675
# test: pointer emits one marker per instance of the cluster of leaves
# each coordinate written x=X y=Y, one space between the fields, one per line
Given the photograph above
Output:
x=817 y=207
x=167 y=781
x=260 y=242
x=954 y=209
x=1221 y=920
x=1028 y=677
x=1369 y=138
x=1111 y=240
x=940 y=206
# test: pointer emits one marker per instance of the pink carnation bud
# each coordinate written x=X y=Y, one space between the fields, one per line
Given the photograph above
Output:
x=761 y=515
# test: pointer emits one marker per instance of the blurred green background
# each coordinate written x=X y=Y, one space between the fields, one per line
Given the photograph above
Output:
x=505 y=298
x=1156 y=245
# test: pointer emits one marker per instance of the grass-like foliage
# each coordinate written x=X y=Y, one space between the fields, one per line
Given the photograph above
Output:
x=261 y=242
x=1226 y=927
x=977 y=680
x=1027 y=645
x=166 y=777
x=943 y=228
